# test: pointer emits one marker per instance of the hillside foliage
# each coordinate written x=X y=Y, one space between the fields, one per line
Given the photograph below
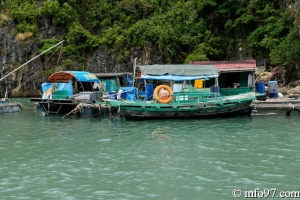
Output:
x=181 y=30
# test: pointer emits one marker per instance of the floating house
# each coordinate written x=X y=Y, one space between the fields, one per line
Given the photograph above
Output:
x=174 y=97
x=233 y=74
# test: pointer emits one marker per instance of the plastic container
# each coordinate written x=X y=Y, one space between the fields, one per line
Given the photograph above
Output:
x=177 y=87
x=113 y=95
x=260 y=88
x=273 y=89
x=149 y=91
x=215 y=89
x=82 y=96
x=198 y=84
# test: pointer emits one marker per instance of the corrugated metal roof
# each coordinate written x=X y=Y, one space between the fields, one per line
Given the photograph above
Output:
x=230 y=66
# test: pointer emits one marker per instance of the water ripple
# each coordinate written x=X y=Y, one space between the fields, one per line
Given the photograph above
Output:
x=55 y=158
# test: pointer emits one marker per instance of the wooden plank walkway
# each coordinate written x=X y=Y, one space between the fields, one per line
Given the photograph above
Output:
x=277 y=103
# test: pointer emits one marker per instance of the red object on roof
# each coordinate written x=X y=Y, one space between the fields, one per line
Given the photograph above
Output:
x=230 y=66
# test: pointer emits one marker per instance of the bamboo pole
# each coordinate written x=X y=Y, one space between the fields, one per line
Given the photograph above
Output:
x=30 y=60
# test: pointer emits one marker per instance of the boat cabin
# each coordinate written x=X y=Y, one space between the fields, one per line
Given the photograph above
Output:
x=166 y=91
x=235 y=76
x=63 y=91
x=65 y=84
x=110 y=83
x=181 y=78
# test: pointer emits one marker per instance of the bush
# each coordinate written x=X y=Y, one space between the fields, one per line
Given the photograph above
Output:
x=82 y=40
x=60 y=14
x=25 y=14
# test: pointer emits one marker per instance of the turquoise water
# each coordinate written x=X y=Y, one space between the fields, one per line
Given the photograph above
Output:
x=55 y=158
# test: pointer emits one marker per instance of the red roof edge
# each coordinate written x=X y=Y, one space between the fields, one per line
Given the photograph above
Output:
x=238 y=65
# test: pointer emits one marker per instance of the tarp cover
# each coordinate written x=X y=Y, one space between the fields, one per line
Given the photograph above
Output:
x=65 y=76
x=128 y=93
x=178 y=72
x=49 y=87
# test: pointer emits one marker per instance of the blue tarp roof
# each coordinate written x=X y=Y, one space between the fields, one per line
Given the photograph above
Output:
x=175 y=78
x=65 y=76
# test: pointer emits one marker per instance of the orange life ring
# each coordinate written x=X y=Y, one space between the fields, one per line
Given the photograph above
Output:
x=160 y=99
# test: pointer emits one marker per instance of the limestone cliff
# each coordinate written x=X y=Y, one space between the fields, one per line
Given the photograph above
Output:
x=26 y=82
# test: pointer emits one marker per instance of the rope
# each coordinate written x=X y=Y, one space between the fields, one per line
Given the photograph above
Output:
x=74 y=111
x=60 y=52
x=24 y=107
x=292 y=108
x=80 y=107
x=254 y=108
x=99 y=114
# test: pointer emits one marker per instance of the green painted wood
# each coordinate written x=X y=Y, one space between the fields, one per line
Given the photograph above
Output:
x=185 y=100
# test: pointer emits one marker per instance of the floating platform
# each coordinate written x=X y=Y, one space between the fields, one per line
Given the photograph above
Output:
x=7 y=107
x=277 y=103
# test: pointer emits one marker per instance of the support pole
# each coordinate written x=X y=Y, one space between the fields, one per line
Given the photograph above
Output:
x=134 y=74
x=30 y=60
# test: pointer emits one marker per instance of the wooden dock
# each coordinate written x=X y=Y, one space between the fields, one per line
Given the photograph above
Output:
x=277 y=103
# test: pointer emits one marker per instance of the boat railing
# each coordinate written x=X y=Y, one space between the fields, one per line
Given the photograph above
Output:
x=192 y=97
x=196 y=97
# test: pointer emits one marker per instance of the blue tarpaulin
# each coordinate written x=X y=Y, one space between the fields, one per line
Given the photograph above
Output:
x=129 y=93
x=85 y=76
x=49 y=88
x=176 y=78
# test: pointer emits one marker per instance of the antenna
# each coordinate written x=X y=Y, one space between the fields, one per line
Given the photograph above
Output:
x=134 y=68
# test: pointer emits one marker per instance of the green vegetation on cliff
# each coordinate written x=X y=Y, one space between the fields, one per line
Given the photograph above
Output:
x=178 y=30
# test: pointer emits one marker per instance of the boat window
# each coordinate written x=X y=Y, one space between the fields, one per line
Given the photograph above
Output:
x=84 y=86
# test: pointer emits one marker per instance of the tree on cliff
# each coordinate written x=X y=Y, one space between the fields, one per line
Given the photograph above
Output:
x=176 y=31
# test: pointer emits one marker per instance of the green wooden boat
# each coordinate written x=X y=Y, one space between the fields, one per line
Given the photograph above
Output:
x=185 y=102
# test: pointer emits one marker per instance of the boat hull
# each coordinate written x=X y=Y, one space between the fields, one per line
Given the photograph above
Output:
x=184 y=112
x=186 y=105
x=53 y=106
x=140 y=115
x=69 y=107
